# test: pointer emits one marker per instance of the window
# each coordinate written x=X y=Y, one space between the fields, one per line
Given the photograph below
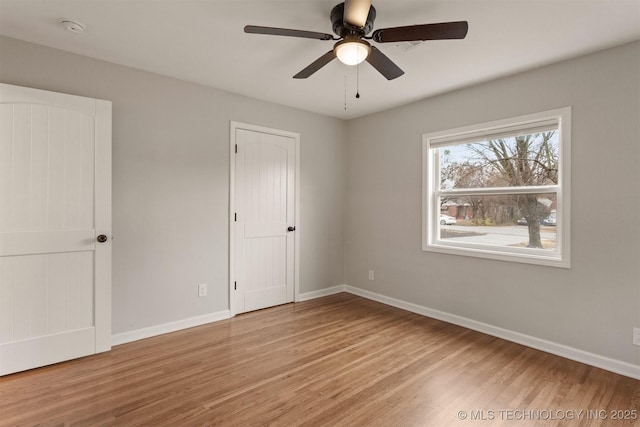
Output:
x=500 y=190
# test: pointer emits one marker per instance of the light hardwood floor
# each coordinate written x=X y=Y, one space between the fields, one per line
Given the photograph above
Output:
x=339 y=361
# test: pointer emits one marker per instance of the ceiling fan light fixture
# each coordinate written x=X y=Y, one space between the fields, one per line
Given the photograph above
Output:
x=352 y=51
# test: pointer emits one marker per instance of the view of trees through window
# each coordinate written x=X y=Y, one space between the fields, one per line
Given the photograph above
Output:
x=508 y=168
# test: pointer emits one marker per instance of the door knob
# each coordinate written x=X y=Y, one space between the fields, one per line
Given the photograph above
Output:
x=291 y=229
x=101 y=238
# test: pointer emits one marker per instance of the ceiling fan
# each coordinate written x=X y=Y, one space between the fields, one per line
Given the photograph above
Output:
x=352 y=20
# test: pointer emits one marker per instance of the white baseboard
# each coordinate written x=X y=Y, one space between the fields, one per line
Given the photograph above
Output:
x=152 y=331
x=321 y=293
x=165 y=328
x=603 y=362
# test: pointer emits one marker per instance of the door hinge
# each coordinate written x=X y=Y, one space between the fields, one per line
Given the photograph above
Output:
x=235 y=217
x=235 y=286
x=236 y=148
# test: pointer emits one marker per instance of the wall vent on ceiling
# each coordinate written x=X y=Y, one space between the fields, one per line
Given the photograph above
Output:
x=406 y=46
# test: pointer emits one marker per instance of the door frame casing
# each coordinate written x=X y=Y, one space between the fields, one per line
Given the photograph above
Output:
x=233 y=126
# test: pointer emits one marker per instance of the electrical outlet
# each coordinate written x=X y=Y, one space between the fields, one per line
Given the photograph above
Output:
x=636 y=336
x=371 y=275
x=202 y=290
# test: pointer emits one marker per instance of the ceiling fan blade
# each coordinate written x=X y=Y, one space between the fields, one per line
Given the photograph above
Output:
x=316 y=65
x=356 y=12
x=384 y=65
x=272 y=31
x=441 y=31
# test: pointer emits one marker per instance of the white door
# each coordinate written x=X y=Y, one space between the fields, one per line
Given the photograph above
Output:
x=55 y=201
x=263 y=217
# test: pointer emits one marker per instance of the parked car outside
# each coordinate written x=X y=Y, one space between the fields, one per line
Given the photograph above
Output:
x=447 y=220
x=550 y=220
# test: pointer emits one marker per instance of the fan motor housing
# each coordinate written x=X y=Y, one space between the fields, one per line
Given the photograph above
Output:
x=343 y=29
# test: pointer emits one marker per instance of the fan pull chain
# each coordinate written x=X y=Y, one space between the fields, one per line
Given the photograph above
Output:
x=357 y=80
x=345 y=92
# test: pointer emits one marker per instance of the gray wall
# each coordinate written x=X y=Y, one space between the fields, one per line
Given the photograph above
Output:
x=592 y=306
x=171 y=181
x=170 y=205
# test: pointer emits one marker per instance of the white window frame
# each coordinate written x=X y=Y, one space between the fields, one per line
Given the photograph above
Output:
x=431 y=193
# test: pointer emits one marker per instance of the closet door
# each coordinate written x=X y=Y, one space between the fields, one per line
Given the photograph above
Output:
x=264 y=218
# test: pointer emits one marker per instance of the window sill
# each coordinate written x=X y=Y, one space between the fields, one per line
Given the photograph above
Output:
x=547 y=260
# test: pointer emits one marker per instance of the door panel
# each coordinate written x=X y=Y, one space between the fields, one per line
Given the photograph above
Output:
x=46 y=294
x=47 y=168
x=265 y=205
x=49 y=275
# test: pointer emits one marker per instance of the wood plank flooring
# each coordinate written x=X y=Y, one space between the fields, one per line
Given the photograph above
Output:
x=337 y=361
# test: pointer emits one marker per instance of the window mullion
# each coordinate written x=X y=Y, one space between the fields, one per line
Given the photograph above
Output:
x=489 y=191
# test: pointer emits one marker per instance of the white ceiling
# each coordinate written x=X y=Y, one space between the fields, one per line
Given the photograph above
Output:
x=203 y=42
